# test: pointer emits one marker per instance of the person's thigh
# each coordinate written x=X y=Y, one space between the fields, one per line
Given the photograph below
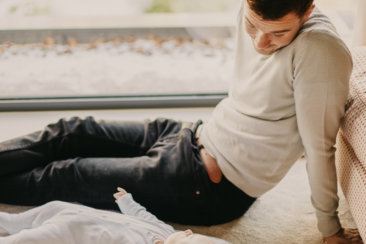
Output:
x=161 y=179
x=94 y=179
x=68 y=139
x=183 y=192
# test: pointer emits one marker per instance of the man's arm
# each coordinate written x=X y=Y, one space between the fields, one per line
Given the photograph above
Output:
x=322 y=68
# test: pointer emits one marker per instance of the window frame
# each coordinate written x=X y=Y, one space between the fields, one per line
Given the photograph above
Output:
x=110 y=102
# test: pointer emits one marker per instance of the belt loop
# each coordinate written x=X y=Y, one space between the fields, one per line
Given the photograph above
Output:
x=196 y=125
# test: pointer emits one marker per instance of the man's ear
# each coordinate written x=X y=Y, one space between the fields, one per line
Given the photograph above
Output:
x=308 y=12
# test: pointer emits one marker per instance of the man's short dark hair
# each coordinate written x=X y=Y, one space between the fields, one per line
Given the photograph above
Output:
x=276 y=9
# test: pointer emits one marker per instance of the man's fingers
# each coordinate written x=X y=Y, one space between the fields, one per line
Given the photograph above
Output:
x=346 y=236
x=351 y=233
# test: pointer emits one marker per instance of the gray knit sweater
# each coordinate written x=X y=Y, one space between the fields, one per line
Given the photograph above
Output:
x=280 y=106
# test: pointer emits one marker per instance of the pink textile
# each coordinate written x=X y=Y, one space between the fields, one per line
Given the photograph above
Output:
x=351 y=143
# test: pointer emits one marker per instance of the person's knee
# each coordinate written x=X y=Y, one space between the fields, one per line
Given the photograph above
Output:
x=73 y=125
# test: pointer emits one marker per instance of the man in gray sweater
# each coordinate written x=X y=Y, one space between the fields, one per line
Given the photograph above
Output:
x=287 y=98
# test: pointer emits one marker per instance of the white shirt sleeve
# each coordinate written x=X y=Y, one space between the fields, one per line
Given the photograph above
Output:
x=129 y=207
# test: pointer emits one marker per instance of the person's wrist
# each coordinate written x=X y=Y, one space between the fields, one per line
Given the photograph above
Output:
x=331 y=237
x=328 y=225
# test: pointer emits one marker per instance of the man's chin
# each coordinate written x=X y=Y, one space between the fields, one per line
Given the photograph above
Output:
x=267 y=51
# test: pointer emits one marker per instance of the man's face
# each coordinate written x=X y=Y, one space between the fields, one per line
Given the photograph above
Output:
x=271 y=35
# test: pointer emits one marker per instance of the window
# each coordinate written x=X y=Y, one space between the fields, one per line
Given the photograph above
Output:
x=115 y=49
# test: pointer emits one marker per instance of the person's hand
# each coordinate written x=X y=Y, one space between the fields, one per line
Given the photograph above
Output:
x=120 y=193
x=344 y=236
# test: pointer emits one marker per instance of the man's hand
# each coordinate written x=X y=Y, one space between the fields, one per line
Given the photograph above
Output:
x=344 y=236
x=120 y=193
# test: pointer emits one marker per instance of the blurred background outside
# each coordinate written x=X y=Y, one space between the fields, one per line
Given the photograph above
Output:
x=72 y=48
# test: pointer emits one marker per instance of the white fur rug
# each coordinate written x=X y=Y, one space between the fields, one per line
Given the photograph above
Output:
x=284 y=215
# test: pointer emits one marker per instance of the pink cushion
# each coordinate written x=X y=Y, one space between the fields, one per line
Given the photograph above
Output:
x=354 y=124
x=353 y=182
x=351 y=143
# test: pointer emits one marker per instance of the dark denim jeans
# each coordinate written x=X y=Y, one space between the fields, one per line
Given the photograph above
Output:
x=82 y=160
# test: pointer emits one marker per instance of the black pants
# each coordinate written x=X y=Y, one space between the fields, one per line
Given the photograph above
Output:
x=81 y=160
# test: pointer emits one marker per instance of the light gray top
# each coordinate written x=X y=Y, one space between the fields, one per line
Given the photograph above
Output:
x=61 y=222
x=280 y=106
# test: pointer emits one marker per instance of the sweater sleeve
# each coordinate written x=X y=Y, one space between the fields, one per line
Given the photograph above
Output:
x=322 y=68
x=129 y=207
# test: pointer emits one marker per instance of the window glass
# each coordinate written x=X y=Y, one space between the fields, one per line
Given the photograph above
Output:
x=71 y=48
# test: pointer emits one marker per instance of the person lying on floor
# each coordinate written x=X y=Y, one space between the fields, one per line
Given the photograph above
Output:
x=59 y=222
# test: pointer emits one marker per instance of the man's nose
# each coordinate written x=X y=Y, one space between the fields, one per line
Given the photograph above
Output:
x=262 y=40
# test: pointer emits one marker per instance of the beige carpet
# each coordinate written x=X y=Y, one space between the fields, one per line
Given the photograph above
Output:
x=284 y=215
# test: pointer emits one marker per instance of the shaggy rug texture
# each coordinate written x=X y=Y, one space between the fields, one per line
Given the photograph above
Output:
x=283 y=215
